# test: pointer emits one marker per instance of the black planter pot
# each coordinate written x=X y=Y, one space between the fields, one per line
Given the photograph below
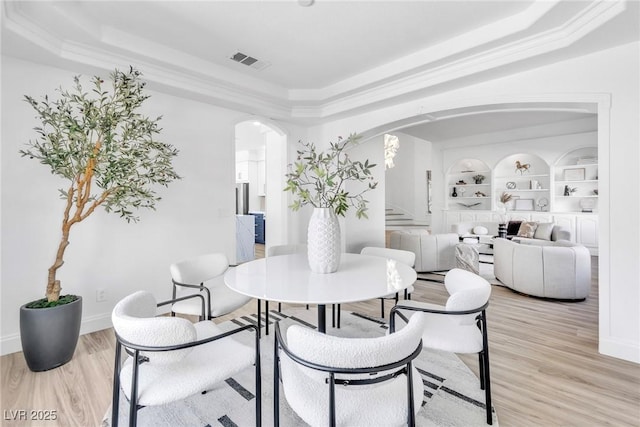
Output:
x=49 y=335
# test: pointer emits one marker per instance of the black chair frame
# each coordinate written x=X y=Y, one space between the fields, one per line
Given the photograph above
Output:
x=403 y=366
x=483 y=356
x=134 y=351
x=206 y=313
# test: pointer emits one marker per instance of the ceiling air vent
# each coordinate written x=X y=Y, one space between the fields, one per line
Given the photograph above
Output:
x=249 y=61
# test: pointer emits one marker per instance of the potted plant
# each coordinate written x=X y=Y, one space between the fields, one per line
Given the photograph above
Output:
x=478 y=178
x=106 y=151
x=318 y=178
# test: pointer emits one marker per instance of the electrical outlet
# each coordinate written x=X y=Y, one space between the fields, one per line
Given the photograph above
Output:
x=101 y=295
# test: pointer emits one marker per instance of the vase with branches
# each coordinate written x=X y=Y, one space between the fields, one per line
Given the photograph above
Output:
x=319 y=178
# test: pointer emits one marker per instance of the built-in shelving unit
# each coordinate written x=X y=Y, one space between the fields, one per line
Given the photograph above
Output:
x=576 y=181
x=538 y=190
x=526 y=177
x=464 y=192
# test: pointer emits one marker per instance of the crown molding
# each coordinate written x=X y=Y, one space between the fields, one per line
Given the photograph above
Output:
x=487 y=48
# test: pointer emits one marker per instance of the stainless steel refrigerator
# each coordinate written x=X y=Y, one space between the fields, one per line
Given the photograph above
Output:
x=242 y=198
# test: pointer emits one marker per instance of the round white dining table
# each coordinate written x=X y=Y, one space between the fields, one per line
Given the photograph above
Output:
x=288 y=279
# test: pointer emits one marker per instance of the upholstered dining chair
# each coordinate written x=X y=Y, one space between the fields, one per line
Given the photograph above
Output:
x=204 y=275
x=460 y=326
x=406 y=257
x=329 y=380
x=172 y=358
x=277 y=250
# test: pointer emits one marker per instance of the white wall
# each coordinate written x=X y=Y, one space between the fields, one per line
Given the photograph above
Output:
x=591 y=78
x=358 y=233
x=406 y=182
x=195 y=216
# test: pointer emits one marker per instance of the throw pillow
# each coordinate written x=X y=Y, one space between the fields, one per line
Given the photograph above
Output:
x=513 y=227
x=480 y=230
x=527 y=229
x=543 y=231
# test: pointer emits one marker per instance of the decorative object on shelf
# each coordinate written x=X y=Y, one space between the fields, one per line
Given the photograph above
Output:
x=318 y=179
x=587 y=204
x=576 y=174
x=480 y=194
x=511 y=185
x=469 y=205
x=568 y=191
x=478 y=178
x=461 y=182
x=454 y=193
x=534 y=184
x=462 y=190
x=505 y=197
x=522 y=167
x=524 y=204
x=595 y=191
x=467 y=166
x=542 y=203
x=502 y=230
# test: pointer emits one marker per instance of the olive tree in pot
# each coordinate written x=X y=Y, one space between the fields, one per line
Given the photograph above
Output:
x=106 y=151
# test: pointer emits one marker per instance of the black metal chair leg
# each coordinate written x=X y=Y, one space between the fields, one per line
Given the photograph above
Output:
x=333 y=315
x=259 y=317
x=115 y=399
x=266 y=324
x=382 y=307
x=258 y=383
x=276 y=384
x=279 y=307
x=133 y=399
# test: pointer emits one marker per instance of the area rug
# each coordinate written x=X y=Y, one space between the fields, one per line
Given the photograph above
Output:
x=452 y=395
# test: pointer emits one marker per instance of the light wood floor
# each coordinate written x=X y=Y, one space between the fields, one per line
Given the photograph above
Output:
x=546 y=370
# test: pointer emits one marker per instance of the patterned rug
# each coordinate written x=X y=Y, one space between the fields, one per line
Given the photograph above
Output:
x=452 y=395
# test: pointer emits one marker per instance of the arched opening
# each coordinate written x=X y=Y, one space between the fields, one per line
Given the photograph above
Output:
x=595 y=105
x=261 y=214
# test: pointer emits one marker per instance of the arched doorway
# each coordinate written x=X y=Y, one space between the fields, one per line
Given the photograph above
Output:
x=260 y=153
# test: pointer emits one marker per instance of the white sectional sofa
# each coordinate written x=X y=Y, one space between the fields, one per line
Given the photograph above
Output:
x=555 y=269
x=434 y=252
x=466 y=230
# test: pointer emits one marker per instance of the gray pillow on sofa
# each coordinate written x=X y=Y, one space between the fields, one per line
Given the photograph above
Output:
x=543 y=231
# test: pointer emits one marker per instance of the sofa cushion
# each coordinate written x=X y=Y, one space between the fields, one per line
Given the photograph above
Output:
x=544 y=231
x=513 y=227
x=527 y=229
x=480 y=230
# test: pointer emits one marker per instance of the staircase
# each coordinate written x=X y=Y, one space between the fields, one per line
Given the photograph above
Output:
x=397 y=220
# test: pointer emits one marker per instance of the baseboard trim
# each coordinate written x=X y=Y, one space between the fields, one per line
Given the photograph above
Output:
x=12 y=344
x=620 y=349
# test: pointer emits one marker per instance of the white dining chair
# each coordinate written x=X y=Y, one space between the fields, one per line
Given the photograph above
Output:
x=329 y=380
x=278 y=250
x=171 y=358
x=459 y=326
x=204 y=274
x=405 y=257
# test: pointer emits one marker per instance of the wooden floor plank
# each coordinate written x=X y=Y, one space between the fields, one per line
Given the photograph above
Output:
x=545 y=368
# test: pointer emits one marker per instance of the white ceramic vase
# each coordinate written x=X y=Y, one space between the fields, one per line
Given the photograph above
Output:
x=323 y=241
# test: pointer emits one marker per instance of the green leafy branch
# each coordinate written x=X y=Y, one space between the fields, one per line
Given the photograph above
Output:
x=105 y=148
x=318 y=178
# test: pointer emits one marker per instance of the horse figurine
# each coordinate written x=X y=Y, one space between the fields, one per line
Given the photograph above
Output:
x=522 y=167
